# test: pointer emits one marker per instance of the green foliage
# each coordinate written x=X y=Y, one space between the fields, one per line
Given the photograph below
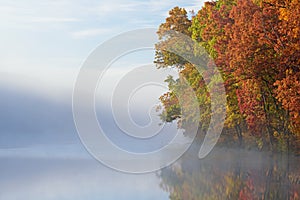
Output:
x=256 y=47
x=177 y=21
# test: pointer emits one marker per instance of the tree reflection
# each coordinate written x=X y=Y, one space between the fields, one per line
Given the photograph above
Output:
x=233 y=174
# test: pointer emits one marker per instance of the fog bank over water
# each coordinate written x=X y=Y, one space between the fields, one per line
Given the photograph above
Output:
x=38 y=110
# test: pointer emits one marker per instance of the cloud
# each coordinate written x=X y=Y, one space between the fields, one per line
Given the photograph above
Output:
x=25 y=15
x=55 y=19
x=134 y=12
x=89 y=33
x=110 y=7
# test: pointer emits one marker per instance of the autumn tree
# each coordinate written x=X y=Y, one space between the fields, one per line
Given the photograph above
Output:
x=256 y=47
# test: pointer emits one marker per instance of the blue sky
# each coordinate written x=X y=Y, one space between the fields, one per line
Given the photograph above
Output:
x=44 y=44
x=61 y=33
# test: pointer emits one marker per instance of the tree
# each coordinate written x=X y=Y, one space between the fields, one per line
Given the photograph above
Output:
x=177 y=21
x=256 y=46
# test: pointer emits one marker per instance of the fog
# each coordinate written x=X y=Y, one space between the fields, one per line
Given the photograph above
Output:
x=41 y=155
x=228 y=173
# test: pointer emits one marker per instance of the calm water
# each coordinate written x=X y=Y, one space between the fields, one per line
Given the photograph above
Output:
x=233 y=174
x=225 y=174
x=59 y=174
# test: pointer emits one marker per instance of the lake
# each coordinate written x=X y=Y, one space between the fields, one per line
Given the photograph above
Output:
x=68 y=172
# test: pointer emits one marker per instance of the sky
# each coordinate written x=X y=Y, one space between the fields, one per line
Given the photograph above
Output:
x=43 y=46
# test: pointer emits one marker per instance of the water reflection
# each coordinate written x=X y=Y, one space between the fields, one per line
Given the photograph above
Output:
x=233 y=174
x=224 y=174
